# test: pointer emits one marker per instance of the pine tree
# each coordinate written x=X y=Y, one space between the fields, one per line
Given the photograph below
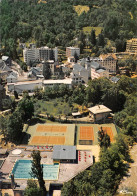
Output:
x=37 y=170
x=93 y=37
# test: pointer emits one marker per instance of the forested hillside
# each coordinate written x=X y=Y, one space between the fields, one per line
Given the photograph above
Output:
x=56 y=23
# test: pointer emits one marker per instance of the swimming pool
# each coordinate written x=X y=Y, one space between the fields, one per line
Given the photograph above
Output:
x=22 y=169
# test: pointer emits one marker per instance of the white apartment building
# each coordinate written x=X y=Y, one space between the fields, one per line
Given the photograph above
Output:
x=30 y=55
x=41 y=54
x=70 y=51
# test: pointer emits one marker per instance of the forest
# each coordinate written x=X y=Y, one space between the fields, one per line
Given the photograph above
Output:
x=56 y=23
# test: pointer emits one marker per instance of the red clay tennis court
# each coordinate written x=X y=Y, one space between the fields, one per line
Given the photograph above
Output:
x=51 y=128
x=109 y=132
x=48 y=140
x=86 y=133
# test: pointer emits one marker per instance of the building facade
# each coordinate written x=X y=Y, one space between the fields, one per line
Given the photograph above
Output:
x=70 y=51
x=46 y=53
x=39 y=54
x=109 y=62
x=30 y=55
x=131 y=45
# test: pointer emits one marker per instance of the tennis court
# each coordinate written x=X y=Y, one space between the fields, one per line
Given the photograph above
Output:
x=51 y=128
x=109 y=131
x=86 y=133
x=60 y=140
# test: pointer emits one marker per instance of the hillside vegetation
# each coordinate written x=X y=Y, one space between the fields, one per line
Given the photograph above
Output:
x=56 y=23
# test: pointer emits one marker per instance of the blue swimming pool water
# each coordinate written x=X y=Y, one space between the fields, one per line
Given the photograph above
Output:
x=22 y=169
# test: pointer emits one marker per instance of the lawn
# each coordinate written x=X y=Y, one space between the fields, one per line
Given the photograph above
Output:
x=80 y=9
x=89 y=29
x=53 y=107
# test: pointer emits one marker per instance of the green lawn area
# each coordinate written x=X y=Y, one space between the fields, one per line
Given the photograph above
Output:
x=53 y=107
x=89 y=29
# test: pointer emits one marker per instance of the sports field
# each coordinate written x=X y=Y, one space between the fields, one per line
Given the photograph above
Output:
x=51 y=128
x=109 y=131
x=90 y=132
x=86 y=133
x=51 y=134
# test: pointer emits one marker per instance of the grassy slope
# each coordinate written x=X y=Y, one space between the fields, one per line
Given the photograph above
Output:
x=80 y=9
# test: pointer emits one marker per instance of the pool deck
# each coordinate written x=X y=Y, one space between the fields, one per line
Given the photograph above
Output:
x=66 y=170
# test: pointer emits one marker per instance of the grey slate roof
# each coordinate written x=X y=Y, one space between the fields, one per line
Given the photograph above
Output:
x=100 y=70
x=95 y=65
x=62 y=152
x=78 y=67
x=114 y=79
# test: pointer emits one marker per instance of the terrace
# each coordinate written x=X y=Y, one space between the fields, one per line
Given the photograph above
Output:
x=66 y=170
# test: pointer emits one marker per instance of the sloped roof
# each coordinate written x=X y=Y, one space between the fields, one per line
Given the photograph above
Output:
x=105 y=56
x=4 y=58
x=94 y=65
x=100 y=70
x=3 y=66
x=114 y=79
x=64 y=152
x=78 y=67
x=99 y=109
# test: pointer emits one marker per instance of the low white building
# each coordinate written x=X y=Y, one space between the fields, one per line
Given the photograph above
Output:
x=51 y=83
x=29 y=86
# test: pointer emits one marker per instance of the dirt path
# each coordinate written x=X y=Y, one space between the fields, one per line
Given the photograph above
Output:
x=131 y=180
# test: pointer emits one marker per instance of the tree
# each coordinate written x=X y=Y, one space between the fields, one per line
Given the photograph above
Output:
x=26 y=108
x=37 y=170
x=14 y=126
x=93 y=37
x=32 y=189
x=103 y=138
x=16 y=94
x=46 y=70
x=3 y=126
x=101 y=41
x=76 y=57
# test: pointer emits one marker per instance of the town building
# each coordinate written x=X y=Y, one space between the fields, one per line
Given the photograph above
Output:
x=97 y=71
x=50 y=83
x=131 y=45
x=81 y=71
x=46 y=53
x=7 y=60
x=12 y=78
x=34 y=54
x=35 y=72
x=30 y=55
x=70 y=51
x=77 y=79
x=29 y=86
x=99 y=112
x=64 y=154
x=109 y=61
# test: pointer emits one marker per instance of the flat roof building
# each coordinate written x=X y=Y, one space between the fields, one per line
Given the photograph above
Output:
x=64 y=153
